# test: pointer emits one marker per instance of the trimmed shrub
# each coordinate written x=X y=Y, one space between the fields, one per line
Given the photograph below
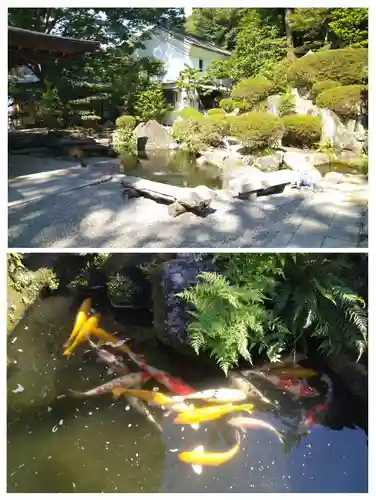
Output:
x=251 y=91
x=277 y=74
x=345 y=101
x=319 y=87
x=227 y=104
x=261 y=106
x=190 y=113
x=124 y=141
x=257 y=129
x=196 y=134
x=216 y=112
x=301 y=130
x=343 y=65
x=125 y=121
x=286 y=105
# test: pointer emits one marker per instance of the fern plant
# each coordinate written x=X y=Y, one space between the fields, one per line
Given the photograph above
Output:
x=314 y=297
x=229 y=320
x=268 y=302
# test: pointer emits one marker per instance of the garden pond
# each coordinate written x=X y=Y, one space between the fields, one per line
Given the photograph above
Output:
x=178 y=168
x=57 y=443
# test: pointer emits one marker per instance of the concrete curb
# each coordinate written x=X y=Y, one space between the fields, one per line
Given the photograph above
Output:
x=104 y=179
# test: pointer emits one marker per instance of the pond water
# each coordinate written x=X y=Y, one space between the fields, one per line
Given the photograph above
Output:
x=340 y=167
x=58 y=443
x=178 y=168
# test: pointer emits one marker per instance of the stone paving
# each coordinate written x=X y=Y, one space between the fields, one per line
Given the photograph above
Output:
x=96 y=216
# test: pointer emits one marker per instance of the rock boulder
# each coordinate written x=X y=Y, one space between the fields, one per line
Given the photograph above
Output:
x=300 y=162
x=171 y=313
x=152 y=135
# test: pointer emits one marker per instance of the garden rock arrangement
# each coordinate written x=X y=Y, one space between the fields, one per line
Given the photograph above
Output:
x=196 y=199
x=171 y=313
x=153 y=136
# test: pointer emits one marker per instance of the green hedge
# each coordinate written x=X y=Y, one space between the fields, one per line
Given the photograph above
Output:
x=196 y=134
x=227 y=104
x=301 y=130
x=126 y=121
x=319 y=87
x=345 y=101
x=190 y=113
x=216 y=112
x=256 y=129
x=347 y=66
x=251 y=91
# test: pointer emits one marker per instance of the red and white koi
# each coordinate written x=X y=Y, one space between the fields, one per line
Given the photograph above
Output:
x=295 y=387
x=126 y=381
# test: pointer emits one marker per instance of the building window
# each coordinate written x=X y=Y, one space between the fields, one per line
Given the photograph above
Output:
x=201 y=64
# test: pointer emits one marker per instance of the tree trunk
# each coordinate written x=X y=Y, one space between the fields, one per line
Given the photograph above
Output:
x=289 y=37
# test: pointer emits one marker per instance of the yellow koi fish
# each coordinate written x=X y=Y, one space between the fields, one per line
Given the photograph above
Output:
x=198 y=457
x=157 y=398
x=222 y=395
x=81 y=318
x=83 y=334
x=209 y=413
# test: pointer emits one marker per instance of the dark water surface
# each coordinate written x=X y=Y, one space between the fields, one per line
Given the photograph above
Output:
x=63 y=444
x=178 y=168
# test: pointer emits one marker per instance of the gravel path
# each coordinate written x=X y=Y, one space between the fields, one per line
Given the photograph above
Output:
x=97 y=216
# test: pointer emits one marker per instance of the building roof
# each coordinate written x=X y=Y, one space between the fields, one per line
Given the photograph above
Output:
x=194 y=40
x=25 y=46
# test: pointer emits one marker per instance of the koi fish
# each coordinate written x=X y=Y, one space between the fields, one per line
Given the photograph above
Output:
x=249 y=388
x=312 y=416
x=81 y=318
x=129 y=380
x=222 y=395
x=296 y=372
x=244 y=423
x=198 y=457
x=294 y=387
x=83 y=334
x=173 y=384
x=115 y=363
x=157 y=398
x=142 y=409
x=208 y=413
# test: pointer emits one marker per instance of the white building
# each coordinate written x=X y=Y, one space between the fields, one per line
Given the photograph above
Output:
x=177 y=51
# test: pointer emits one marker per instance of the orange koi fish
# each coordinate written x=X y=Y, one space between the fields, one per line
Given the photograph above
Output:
x=208 y=413
x=83 y=334
x=152 y=397
x=198 y=457
x=81 y=318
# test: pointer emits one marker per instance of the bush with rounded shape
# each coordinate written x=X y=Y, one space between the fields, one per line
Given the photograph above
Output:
x=347 y=66
x=319 y=87
x=196 y=134
x=191 y=113
x=345 y=101
x=125 y=121
x=277 y=74
x=257 y=129
x=216 y=112
x=251 y=91
x=227 y=104
x=301 y=130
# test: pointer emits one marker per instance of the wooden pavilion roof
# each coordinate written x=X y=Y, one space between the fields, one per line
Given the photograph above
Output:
x=25 y=47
